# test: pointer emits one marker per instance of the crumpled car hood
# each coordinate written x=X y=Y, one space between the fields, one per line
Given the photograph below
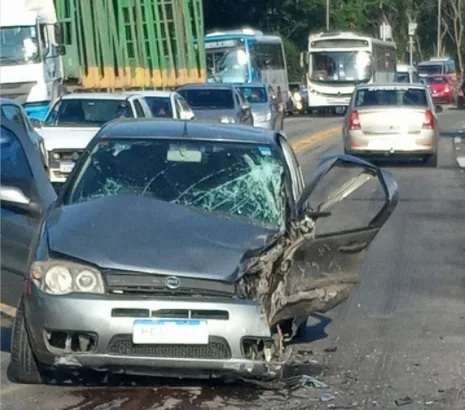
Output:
x=148 y=235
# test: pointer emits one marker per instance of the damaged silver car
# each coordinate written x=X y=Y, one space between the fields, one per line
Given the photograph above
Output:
x=188 y=249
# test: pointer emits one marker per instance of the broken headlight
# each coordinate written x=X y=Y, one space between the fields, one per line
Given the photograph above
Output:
x=63 y=278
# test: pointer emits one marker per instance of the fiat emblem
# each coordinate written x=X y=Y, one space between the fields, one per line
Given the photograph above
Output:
x=172 y=282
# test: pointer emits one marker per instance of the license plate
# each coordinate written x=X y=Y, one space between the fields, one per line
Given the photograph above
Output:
x=379 y=145
x=170 y=331
x=66 y=166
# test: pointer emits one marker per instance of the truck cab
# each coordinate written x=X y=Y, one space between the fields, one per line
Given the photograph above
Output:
x=30 y=55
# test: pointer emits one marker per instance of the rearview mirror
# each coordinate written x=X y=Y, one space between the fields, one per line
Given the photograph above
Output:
x=438 y=109
x=15 y=198
x=36 y=123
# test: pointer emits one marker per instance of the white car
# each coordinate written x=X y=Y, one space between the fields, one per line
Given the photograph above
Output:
x=11 y=110
x=74 y=119
x=167 y=104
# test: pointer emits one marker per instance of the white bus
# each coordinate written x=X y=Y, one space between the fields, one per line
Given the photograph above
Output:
x=337 y=61
x=247 y=56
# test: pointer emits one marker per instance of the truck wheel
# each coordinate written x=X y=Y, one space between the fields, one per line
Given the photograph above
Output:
x=24 y=367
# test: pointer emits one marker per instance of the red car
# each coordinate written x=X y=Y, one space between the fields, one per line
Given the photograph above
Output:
x=442 y=88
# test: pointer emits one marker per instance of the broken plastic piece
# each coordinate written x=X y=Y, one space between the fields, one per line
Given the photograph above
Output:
x=403 y=402
x=309 y=381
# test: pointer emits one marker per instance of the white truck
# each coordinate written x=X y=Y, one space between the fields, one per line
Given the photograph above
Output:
x=31 y=68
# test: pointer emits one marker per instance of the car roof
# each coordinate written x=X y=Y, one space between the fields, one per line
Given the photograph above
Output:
x=98 y=96
x=153 y=93
x=254 y=84
x=197 y=86
x=188 y=130
x=392 y=85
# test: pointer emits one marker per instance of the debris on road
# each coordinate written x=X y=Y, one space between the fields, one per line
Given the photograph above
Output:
x=330 y=349
x=325 y=397
x=403 y=402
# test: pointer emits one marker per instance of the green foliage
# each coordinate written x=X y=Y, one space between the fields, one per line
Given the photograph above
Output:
x=295 y=19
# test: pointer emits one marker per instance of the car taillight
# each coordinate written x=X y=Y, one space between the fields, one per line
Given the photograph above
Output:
x=429 y=120
x=354 y=121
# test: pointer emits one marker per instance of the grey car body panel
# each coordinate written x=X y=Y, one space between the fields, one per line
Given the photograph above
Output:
x=214 y=115
x=212 y=247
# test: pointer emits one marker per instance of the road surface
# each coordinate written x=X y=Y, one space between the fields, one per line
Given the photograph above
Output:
x=396 y=343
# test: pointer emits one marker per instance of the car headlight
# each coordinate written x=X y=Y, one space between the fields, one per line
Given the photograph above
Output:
x=63 y=278
x=297 y=97
x=227 y=120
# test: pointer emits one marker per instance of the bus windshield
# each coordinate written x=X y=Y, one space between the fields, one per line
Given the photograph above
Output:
x=340 y=66
x=227 y=65
x=428 y=69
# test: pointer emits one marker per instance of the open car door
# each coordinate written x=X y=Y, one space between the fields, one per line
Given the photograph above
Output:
x=25 y=194
x=339 y=213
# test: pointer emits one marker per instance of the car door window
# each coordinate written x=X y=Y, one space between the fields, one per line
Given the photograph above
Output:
x=183 y=103
x=15 y=170
x=295 y=170
x=14 y=113
x=139 y=110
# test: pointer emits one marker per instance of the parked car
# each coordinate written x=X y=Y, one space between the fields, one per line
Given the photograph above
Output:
x=73 y=121
x=298 y=101
x=392 y=119
x=217 y=103
x=442 y=88
x=175 y=248
x=167 y=104
x=267 y=110
x=11 y=110
x=460 y=97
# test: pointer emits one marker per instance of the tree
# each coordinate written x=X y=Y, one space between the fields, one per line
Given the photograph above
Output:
x=454 y=19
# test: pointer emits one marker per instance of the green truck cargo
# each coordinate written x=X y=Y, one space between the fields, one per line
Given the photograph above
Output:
x=131 y=44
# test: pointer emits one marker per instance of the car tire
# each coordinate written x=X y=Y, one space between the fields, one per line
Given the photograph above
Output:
x=431 y=161
x=24 y=367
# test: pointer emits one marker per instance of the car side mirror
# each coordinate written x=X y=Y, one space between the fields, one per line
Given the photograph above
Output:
x=187 y=115
x=438 y=109
x=15 y=198
x=36 y=123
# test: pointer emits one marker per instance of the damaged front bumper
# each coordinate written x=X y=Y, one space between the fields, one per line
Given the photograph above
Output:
x=85 y=331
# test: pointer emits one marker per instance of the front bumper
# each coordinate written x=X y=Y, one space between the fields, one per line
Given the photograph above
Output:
x=317 y=100
x=113 y=349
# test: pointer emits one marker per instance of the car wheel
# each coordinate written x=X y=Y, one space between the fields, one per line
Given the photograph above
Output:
x=431 y=160
x=24 y=367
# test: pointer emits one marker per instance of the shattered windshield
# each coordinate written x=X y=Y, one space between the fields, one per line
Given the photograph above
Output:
x=236 y=180
x=19 y=45
x=87 y=112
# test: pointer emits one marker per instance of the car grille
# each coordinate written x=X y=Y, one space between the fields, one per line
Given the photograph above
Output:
x=216 y=349
x=153 y=284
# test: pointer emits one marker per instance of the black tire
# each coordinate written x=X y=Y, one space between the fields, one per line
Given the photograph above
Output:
x=431 y=161
x=24 y=367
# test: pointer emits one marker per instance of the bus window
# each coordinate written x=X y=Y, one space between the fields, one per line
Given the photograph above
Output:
x=267 y=56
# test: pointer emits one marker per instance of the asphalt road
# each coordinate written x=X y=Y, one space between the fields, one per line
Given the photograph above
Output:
x=399 y=337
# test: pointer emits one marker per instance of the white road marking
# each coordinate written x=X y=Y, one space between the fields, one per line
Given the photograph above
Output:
x=457 y=140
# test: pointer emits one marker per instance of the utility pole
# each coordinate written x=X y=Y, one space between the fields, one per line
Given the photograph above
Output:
x=439 y=45
x=412 y=28
x=327 y=15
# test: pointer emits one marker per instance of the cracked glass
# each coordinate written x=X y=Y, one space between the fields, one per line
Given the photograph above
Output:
x=237 y=180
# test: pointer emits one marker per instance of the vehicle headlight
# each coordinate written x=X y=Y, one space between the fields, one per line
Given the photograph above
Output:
x=268 y=116
x=227 y=120
x=297 y=96
x=63 y=278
